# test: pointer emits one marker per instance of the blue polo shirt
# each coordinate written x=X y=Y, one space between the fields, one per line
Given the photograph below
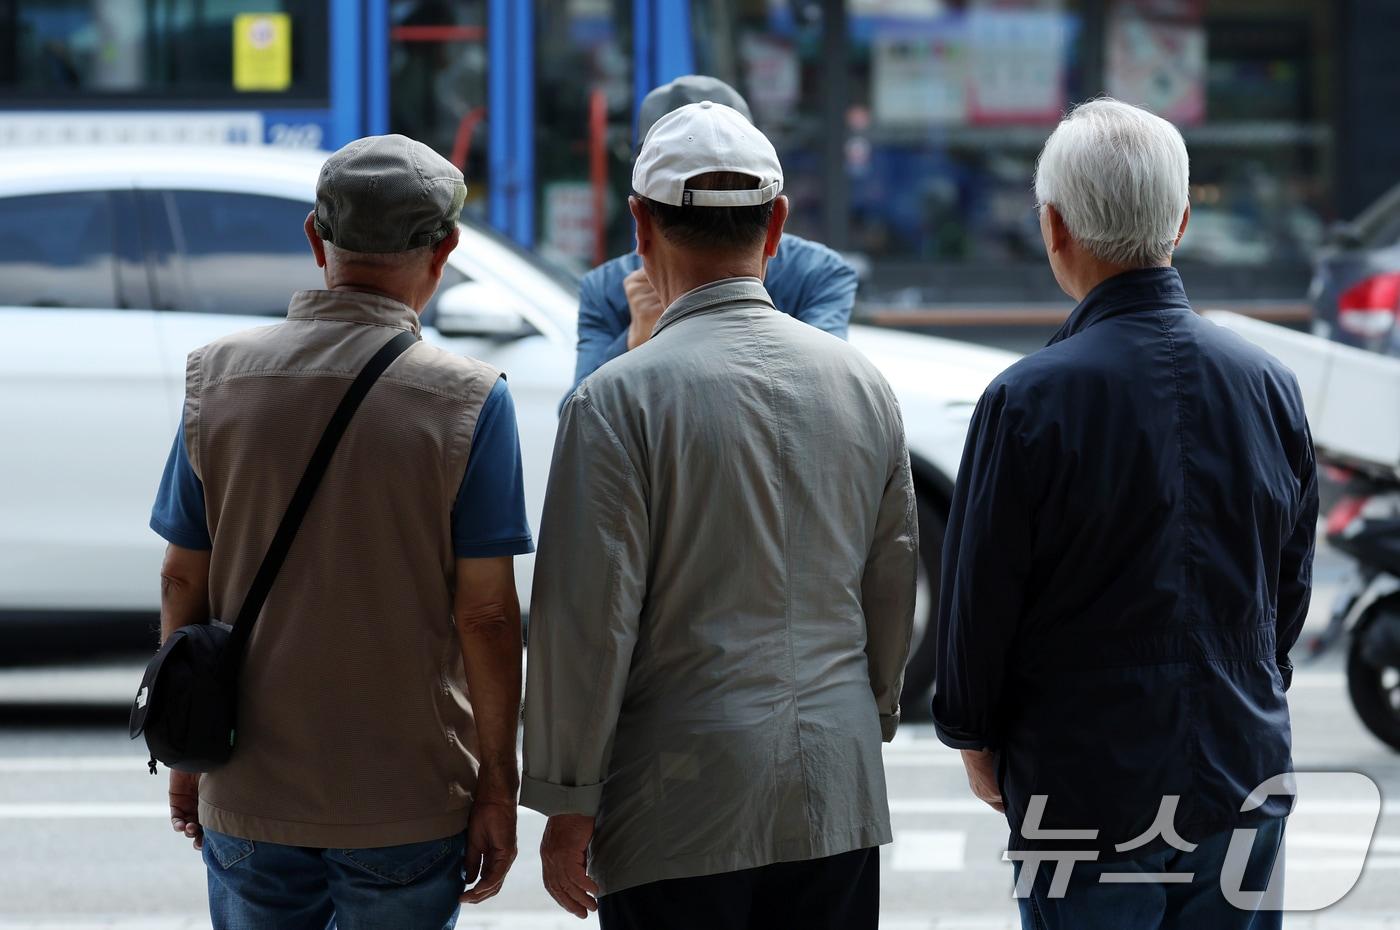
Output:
x=806 y=280
x=488 y=519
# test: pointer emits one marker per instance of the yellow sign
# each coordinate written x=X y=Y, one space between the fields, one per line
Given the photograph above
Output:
x=262 y=52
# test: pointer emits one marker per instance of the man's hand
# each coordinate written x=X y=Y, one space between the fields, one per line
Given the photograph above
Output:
x=982 y=777
x=490 y=847
x=645 y=305
x=564 y=857
x=184 y=806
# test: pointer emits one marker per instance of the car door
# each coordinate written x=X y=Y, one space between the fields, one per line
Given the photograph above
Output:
x=84 y=410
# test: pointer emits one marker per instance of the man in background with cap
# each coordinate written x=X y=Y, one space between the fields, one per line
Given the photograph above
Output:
x=619 y=306
x=725 y=586
x=366 y=787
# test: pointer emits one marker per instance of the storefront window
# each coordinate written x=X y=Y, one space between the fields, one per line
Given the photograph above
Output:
x=944 y=105
x=1254 y=109
x=583 y=129
x=144 y=49
x=948 y=108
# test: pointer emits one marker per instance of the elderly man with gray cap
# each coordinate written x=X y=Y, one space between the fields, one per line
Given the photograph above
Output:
x=374 y=773
x=619 y=306
x=725 y=586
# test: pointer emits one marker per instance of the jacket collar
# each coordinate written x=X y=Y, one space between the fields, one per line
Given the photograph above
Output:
x=353 y=307
x=713 y=296
x=1129 y=292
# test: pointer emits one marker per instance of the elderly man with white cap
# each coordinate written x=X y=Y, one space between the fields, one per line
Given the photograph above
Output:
x=617 y=305
x=725 y=586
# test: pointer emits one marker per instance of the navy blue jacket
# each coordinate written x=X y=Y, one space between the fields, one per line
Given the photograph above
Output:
x=806 y=280
x=1128 y=562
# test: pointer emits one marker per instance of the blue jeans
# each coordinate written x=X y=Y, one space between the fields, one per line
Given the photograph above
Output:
x=267 y=886
x=1199 y=904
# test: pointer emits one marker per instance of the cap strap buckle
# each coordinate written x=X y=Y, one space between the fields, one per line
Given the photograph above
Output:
x=745 y=198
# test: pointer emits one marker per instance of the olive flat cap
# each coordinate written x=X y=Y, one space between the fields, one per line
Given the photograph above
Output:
x=387 y=194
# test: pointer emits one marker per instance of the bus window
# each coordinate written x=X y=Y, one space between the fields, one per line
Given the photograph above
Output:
x=437 y=84
x=583 y=129
x=132 y=49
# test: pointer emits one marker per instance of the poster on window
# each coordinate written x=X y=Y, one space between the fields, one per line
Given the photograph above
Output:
x=916 y=9
x=772 y=75
x=919 y=80
x=1158 y=63
x=570 y=225
x=1017 y=65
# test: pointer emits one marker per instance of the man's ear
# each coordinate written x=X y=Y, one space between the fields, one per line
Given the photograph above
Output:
x=645 y=225
x=1185 y=218
x=318 y=248
x=775 y=226
x=1060 y=238
x=443 y=250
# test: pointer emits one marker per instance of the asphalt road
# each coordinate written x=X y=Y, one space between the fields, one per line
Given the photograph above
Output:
x=84 y=840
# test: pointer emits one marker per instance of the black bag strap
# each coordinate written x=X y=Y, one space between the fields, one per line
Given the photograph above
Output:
x=301 y=498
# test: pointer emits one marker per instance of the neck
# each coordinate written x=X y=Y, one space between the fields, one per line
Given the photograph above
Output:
x=390 y=290
x=1094 y=272
x=674 y=281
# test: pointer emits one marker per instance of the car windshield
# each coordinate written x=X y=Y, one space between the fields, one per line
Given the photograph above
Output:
x=1379 y=224
x=557 y=273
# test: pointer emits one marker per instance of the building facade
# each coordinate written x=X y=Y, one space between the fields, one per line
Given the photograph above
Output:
x=908 y=128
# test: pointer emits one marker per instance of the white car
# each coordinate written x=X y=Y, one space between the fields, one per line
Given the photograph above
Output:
x=115 y=264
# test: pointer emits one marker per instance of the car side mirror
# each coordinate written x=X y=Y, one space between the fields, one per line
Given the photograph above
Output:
x=480 y=310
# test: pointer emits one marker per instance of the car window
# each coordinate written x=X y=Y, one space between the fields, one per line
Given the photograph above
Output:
x=240 y=253
x=56 y=251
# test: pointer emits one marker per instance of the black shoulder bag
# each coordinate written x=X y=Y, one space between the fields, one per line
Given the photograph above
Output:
x=187 y=703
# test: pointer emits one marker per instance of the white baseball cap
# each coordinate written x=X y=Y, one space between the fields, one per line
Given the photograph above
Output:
x=703 y=138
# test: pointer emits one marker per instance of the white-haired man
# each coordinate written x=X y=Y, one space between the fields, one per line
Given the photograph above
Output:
x=1128 y=562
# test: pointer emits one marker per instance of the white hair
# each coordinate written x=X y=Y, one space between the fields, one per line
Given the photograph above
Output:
x=1119 y=178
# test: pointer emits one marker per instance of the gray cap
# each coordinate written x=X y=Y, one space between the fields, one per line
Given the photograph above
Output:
x=387 y=194
x=690 y=88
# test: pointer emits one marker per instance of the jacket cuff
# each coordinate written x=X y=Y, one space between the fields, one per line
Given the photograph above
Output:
x=888 y=724
x=1285 y=671
x=550 y=799
x=959 y=740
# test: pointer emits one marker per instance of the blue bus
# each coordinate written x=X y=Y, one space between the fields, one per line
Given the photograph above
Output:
x=534 y=100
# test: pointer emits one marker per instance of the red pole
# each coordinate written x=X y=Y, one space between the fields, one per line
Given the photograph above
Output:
x=462 y=144
x=437 y=34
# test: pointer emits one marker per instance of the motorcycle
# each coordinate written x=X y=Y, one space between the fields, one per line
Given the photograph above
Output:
x=1365 y=525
